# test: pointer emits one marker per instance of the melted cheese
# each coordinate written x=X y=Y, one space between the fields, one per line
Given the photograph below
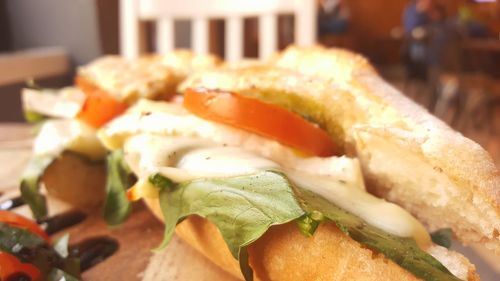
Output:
x=168 y=119
x=164 y=138
x=57 y=136
x=183 y=159
x=374 y=211
x=63 y=103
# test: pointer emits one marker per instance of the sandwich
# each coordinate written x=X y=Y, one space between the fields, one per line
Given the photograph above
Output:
x=68 y=158
x=272 y=171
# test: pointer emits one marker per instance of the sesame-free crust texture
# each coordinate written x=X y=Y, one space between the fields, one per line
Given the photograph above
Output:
x=408 y=156
x=283 y=253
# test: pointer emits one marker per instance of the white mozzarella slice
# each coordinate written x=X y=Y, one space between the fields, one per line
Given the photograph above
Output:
x=184 y=159
x=57 y=136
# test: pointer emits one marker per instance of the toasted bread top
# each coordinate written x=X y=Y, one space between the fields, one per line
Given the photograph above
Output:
x=342 y=93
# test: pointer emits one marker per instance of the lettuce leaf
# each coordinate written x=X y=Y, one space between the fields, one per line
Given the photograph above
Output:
x=403 y=251
x=243 y=208
x=30 y=185
x=117 y=208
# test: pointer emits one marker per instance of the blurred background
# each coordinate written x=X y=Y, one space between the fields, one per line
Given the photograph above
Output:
x=444 y=54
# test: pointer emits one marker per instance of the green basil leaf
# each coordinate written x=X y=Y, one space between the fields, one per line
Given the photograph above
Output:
x=30 y=185
x=442 y=237
x=160 y=181
x=243 y=208
x=117 y=208
x=403 y=251
x=12 y=238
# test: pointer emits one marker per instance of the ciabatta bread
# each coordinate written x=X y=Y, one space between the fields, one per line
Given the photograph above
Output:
x=283 y=253
x=408 y=156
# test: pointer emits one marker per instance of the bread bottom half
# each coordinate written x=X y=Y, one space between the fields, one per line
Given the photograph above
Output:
x=283 y=253
x=76 y=180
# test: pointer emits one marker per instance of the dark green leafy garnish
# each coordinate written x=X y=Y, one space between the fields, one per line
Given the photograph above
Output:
x=30 y=185
x=401 y=250
x=29 y=248
x=160 y=181
x=117 y=207
x=243 y=208
x=442 y=237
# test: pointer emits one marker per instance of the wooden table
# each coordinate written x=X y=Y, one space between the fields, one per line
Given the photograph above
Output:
x=142 y=232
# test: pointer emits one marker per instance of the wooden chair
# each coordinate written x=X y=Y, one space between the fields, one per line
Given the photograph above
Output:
x=165 y=12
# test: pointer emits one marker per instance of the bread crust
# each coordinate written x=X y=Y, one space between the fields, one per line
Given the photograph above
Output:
x=341 y=92
x=283 y=253
x=468 y=167
x=76 y=180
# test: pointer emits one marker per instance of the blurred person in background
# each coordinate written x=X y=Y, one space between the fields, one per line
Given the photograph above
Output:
x=415 y=20
x=333 y=17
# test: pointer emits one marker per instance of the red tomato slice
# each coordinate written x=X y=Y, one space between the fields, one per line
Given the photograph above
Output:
x=19 y=221
x=99 y=107
x=10 y=266
x=260 y=118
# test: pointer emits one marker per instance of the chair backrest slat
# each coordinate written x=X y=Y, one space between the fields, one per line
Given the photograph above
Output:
x=129 y=28
x=305 y=23
x=164 y=34
x=199 y=35
x=234 y=38
x=165 y=12
x=268 y=35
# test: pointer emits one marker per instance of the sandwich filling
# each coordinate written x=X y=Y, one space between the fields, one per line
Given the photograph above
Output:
x=244 y=182
x=104 y=89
